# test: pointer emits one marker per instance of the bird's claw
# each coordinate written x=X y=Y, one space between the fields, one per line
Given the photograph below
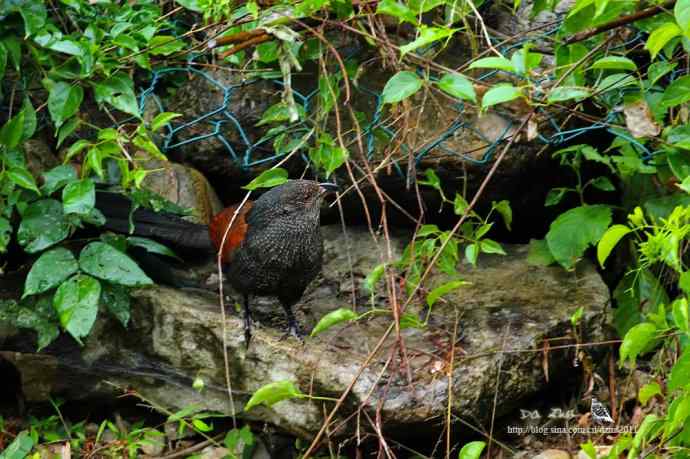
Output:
x=294 y=331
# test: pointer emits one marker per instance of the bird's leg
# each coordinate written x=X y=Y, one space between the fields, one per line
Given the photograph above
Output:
x=293 y=326
x=247 y=322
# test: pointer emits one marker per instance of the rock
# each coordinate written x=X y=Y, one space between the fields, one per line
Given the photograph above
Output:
x=176 y=335
x=214 y=452
x=185 y=186
x=153 y=443
x=552 y=454
x=37 y=372
x=602 y=451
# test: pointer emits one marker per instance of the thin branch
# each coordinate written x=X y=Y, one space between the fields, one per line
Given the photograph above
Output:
x=620 y=22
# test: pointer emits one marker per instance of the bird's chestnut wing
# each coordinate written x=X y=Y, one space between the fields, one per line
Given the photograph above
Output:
x=237 y=232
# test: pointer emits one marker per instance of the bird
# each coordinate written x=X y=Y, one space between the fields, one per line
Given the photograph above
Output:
x=600 y=414
x=273 y=248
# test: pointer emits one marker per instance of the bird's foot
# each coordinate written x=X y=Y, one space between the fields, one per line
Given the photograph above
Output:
x=294 y=331
x=247 y=332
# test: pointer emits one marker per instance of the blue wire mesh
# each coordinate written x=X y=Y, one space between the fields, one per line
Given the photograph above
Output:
x=218 y=117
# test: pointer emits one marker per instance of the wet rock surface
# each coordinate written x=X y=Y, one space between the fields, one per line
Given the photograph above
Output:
x=175 y=336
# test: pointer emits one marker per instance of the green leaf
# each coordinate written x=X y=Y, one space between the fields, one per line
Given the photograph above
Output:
x=34 y=14
x=677 y=92
x=678 y=412
x=609 y=240
x=5 y=234
x=499 y=94
x=272 y=393
x=51 y=268
x=333 y=318
x=615 y=81
x=327 y=155
x=43 y=224
x=603 y=184
x=432 y=180
x=64 y=100
x=637 y=340
x=573 y=231
x=268 y=179
x=442 y=290
x=268 y=52
x=106 y=262
x=76 y=303
x=458 y=86
x=503 y=208
x=164 y=45
x=29 y=119
x=151 y=246
x=426 y=230
x=118 y=91
x=116 y=299
x=23 y=178
x=427 y=35
x=472 y=253
x=563 y=93
x=648 y=391
x=275 y=113
x=410 y=320
x=489 y=246
x=396 y=9
x=67 y=129
x=401 y=86
x=56 y=178
x=555 y=195
x=76 y=148
x=12 y=131
x=162 y=119
x=658 y=69
x=14 y=50
x=374 y=276
x=472 y=450
x=523 y=60
x=660 y=36
x=681 y=11
x=3 y=60
x=679 y=310
x=684 y=282
x=79 y=197
x=20 y=447
x=499 y=63
x=70 y=47
x=680 y=373
x=192 y=5
x=614 y=63
x=201 y=426
x=577 y=316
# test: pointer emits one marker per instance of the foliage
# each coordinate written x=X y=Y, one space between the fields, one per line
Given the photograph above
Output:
x=277 y=391
x=117 y=438
x=62 y=60
x=430 y=242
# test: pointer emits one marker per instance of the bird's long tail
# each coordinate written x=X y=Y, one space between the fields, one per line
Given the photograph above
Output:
x=146 y=223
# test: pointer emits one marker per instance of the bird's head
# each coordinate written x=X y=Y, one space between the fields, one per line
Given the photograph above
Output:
x=299 y=195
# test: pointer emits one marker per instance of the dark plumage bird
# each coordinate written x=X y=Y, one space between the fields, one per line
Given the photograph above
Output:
x=274 y=247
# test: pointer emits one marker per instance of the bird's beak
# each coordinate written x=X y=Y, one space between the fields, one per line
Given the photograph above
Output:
x=328 y=187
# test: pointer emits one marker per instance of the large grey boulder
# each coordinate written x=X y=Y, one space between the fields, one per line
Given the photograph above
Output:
x=504 y=318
